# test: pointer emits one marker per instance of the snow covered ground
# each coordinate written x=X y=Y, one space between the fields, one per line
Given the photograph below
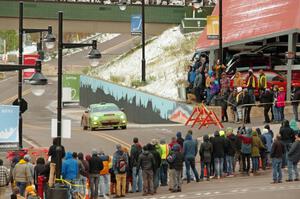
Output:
x=166 y=58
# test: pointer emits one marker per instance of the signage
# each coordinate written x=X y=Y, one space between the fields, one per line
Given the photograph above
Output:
x=29 y=60
x=9 y=127
x=212 y=27
x=65 y=128
x=136 y=24
x=71 y=87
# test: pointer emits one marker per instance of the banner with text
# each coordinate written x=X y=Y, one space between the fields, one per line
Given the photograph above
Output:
x=9 y=127
x=212 y=27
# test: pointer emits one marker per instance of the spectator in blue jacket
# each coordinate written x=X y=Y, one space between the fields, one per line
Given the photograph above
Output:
x=69 y=168
x=190 y=148
x=268 y=141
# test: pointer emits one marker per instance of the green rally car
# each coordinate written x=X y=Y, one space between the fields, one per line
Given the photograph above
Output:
x=105 y=115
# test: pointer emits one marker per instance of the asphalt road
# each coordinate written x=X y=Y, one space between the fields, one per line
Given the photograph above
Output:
x=37 y=132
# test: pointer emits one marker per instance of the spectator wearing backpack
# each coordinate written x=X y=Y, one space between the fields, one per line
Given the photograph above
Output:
x=176 y=162
x=135 y=151
x=120 y=164
x=205 y=152
x=96 y=166
x=147 y=164
x=104 y=175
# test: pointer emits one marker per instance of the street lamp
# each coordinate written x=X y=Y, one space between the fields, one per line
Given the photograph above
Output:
x=122 y=6
x=94 y=56
x=23 y=30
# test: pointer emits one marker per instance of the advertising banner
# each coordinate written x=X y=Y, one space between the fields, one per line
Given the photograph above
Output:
x=71 y=86
x=136 y=24
x=29 y=60
x=212 y=27
x=9 y=127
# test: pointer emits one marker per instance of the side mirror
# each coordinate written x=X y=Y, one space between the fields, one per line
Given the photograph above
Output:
x=122 y=109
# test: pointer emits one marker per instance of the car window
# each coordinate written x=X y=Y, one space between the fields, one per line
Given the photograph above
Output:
x=104 y=108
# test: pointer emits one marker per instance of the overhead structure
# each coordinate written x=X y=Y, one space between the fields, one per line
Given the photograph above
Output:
x=247 y=21
x=251 y=20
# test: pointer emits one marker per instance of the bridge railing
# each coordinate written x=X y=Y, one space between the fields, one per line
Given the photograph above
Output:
x=206 y=3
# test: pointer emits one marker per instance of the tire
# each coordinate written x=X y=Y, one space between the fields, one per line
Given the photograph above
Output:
x=123 y=127
x=115 y=127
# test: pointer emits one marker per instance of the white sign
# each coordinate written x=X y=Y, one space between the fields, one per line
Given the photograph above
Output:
x=65 y=128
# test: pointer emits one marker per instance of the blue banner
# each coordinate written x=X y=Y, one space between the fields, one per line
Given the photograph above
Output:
x=9 y=126
x=136 y=24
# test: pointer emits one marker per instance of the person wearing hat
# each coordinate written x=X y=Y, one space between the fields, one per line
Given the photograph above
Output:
x=277 y=153
x=266 y=98
x=262 y=81
x=251 y=84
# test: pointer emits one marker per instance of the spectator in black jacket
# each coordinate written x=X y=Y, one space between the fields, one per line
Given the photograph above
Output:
x=287 y=138
x=238 y=154
x=295 y=103
x=205 y=152
x=157 y=159
x=177 y=165
x=293 y=159
x=230 y=151
x=266 y=98
x=96 y=165
x=219 y=153
x=247 y=99
x=147 y=163
x=135 y=151
x=52 y=151
x=277 y=153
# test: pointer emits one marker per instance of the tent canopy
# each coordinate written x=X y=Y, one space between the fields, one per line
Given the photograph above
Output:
x=251 y=20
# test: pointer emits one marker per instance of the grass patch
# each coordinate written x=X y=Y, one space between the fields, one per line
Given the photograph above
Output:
x=117 y=79
x=137 y=83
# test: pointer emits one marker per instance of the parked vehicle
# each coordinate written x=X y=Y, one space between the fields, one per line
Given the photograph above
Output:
x=105 y=115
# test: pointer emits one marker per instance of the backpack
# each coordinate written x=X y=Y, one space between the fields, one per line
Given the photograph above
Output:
x=122 y=164
x=171 y=158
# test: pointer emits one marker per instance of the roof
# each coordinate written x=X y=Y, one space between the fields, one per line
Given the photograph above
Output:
x=251 y=20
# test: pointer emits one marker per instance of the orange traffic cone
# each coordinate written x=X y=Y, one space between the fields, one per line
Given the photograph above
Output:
x=87 y=187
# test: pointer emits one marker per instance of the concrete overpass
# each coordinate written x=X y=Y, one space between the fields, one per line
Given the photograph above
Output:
x=90 y=18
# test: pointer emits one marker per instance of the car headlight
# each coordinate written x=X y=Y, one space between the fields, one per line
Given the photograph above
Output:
x=95 y=118
x=122 y=117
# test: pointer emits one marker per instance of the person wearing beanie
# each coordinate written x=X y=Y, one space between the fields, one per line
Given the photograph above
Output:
x=246 y=149
x=177 y=165
x=255 y=151
x=27 y=158
x=164 y=164
x=147 y=164
x=135 y=151
x=120 y=164
x=293 y=159
x=180 y=140
x=205 y=152
x=230 y=149
x=218 y=153
x=22 y=175
x=157 y=159
x=277 y=153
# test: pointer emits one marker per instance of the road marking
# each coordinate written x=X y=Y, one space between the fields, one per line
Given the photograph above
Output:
x=30 y=143
x=117 y=139
x=11 y=99
x=118 y=45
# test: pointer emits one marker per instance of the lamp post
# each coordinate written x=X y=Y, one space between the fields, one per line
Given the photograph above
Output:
x=50 y=38
x=94 y=56
x=122 y=6
x=220 y=32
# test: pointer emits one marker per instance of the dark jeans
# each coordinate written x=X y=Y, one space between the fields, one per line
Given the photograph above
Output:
x=94 y=183
x=22 y=187
x=295 y=111
x=246 y=162
x=203 y=165
x=247 y=114
x=224 y=114
x=164 y=173
x=267 y=109
x=198 y=93
x=190 y=163
x=276 y=169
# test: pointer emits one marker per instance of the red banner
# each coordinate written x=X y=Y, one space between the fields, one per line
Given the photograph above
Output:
x=29 y=60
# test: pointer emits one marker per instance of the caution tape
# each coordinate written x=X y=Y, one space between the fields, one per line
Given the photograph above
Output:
x=69 y=183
